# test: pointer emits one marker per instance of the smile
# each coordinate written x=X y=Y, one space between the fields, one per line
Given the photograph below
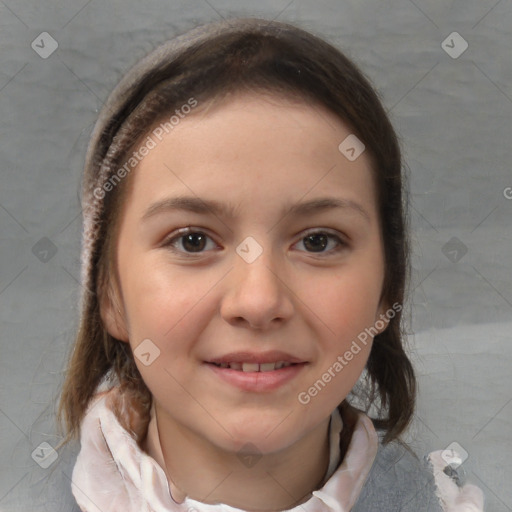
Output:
x=255 y=367
x=256 y=377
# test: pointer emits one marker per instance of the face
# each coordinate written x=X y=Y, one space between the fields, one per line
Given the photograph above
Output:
x=248 y=239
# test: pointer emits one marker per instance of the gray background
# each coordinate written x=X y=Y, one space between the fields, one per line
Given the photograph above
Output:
x=454 y=116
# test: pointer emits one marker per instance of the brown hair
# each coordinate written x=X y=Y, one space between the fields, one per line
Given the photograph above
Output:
x=207 y=64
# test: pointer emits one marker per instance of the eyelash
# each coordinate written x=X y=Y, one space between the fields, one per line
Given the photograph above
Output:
x=182 y=232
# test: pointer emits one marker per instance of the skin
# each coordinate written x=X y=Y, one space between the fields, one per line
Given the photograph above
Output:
x=256 y=154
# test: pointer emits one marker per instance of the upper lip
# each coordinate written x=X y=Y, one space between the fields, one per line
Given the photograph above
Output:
x=271 y=356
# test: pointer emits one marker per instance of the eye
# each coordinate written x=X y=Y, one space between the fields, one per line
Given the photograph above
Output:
x=321 y=242
x=190 y=240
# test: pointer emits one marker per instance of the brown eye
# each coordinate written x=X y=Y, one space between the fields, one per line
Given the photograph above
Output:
x=316 y=243
x=194 y=242
x=321 y=242
x=189 y=241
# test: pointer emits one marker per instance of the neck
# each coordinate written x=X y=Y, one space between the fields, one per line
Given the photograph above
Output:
x=204 y=472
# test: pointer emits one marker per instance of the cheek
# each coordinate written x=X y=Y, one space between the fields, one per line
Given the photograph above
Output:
x=346 y=302
x=168 y=307
x=171 y=311
x=344 y=309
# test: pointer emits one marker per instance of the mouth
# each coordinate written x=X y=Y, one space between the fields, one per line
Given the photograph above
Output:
x=253 y=372
x=255 y=367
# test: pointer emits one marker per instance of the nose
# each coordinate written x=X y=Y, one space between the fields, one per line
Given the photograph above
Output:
x=257 y=295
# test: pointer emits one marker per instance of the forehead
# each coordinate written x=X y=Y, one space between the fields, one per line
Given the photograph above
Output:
x=253 y=147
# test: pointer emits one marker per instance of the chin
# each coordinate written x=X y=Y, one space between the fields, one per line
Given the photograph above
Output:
x=267 y=435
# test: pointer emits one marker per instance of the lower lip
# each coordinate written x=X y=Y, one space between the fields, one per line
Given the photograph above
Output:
x=257 y=381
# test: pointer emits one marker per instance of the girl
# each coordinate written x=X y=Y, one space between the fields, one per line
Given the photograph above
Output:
x=244 y=266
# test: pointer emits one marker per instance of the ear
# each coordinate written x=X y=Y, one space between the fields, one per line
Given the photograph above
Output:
x=112 y=314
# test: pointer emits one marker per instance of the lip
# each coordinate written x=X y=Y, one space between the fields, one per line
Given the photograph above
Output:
x=257 y=382
x=271 y=356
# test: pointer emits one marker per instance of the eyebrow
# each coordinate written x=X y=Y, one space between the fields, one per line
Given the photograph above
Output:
x=210 y=206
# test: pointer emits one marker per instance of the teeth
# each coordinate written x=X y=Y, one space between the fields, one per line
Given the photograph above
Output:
x=255 y=367
x=250 y=367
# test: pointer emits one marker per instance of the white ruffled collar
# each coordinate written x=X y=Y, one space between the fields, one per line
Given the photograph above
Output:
x=113 y=473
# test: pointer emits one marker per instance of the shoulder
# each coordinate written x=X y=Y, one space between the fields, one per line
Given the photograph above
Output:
x=454 y=496
x=400 y=480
